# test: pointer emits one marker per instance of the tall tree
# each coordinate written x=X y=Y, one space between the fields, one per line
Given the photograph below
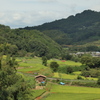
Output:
x=54 y=66
x=12 y=85
x=44 y=60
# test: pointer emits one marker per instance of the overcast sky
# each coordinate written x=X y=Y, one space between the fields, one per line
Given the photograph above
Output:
x=22 y=13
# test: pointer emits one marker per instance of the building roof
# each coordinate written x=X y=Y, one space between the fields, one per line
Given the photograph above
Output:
x=40 y=76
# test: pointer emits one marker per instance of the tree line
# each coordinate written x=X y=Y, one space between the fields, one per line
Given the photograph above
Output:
x=13 y=86
x=27 y=42
x=78 y=29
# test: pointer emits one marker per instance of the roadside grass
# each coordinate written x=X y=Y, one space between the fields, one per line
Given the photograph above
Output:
x=59 y=92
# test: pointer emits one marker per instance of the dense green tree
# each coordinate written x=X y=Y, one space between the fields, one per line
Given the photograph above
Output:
x=44 y=60
x=92 y=62
x=54 y=66
x=66 y=56
x=69 y=70
x=92 y=48
x=87 y=60
x=91 y=73
x=98 y=81
x=14 y=41
x=85 y=73
x=12 y=85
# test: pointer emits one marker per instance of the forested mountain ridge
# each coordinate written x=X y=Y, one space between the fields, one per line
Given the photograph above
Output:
x=79 y=29
x=16 y=41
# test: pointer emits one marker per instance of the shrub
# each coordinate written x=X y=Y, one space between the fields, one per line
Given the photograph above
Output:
x=85 y=73
x=92 y=73
x=79 y=77
x=69 y=70
x=54 y=66
x=98 y=81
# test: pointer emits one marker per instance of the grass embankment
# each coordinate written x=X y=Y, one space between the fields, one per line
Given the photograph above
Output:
x=37 y=93
x=59 y=92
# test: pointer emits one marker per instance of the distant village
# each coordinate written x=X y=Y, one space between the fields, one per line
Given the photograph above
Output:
x=94 y=54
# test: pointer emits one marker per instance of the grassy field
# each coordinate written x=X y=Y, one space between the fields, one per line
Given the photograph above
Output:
x=34 y=65
x=64 y=62
x=71 y=76
x=30 y=61
x=59 y=92
x=30 y=64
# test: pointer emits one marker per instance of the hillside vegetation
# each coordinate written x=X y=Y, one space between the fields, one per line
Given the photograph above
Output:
x=79 y=29
x=15 y=41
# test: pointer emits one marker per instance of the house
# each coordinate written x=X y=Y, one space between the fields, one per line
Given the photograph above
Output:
x=40 y=78
x=40 y=81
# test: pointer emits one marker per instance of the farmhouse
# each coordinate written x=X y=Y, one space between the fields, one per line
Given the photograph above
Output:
x=40 y=78
x=40 y=81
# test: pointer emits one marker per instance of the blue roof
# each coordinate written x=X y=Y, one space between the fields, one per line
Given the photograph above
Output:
x=43 y=82
x=62 y=83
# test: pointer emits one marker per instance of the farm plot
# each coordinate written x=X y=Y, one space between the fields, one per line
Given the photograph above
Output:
x=59 y=92
x=71 y=76
x=30 y=64
x=64 y=62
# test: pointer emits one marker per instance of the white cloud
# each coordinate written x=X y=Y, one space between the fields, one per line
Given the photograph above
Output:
x=47 y=0
x=21 y=13
x=16 y=16
x=97 y=8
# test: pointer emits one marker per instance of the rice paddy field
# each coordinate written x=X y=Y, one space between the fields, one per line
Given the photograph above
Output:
x=65 y=62
x=71 y=76
x=62 y=92
x=34 y=65
x=57 y=92
x=27 y=64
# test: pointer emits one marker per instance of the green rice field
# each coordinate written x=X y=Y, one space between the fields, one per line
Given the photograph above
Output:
x=30 y=64
x=64 y=62
x=71 y=76
x=59 y=92
x=34 y=64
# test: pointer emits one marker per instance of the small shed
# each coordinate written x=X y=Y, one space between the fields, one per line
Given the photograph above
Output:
x=40 y=78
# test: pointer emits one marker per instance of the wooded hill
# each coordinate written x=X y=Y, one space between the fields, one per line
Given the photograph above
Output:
x=16 y=41
x=79 y=29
